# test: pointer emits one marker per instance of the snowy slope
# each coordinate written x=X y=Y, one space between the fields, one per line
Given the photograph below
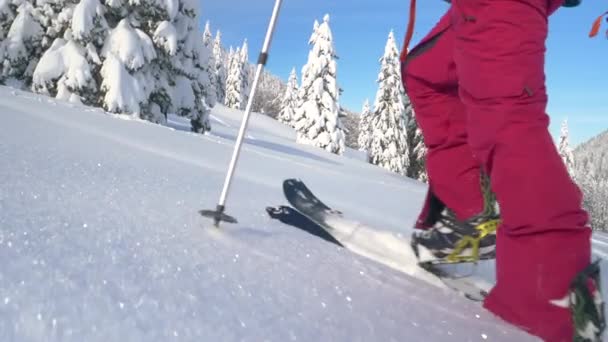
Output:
x=100 y=239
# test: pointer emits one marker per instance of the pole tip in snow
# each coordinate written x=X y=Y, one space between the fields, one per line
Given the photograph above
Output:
x=218 y=215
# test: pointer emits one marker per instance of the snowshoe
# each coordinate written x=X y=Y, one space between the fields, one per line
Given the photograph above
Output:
x=442 y=238
x=587 y=305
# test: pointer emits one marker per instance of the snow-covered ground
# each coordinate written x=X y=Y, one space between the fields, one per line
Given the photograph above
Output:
x=100 y=239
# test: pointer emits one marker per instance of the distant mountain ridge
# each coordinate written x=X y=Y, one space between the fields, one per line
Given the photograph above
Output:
x=591 y=174
x=592 y=157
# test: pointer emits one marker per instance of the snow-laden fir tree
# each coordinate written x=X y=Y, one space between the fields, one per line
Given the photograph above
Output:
x=564 y=149
x=70 y=68
x=210 y=67
x=247 y=73
x=20 y=50
x=269 y=95
x=364 y=127
x=193 y=94
x=350 y=123
x=207 y=36
x=219 y=69
x=205 y=65
x=316 y=120
x=126 y=52
x=388 y=146
x=8 y=12
x=290 y=100
x=418 y=150
x=138 y=57
x=234 y=81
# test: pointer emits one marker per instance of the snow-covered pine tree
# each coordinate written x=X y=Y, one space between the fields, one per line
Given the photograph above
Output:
x=8 y=12
x=104 y=54
x=316 y=120
x=247 y=73
x=350 y=123
x=298 y=115
x=208 y=45
x=290 y=100
x=193 y=94
x=234 y=81
x=364 y=127
x=22 y=47
x=564 y=149
x=127 y=50
x=219 y=69
x=388 y=146
x=69 y=69
x=417 y=152
x=269 y=94
x=207 y=36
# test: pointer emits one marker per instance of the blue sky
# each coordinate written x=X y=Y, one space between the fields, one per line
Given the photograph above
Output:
x=575 y=66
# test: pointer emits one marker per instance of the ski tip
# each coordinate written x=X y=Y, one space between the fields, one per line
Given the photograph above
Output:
x=290 y=182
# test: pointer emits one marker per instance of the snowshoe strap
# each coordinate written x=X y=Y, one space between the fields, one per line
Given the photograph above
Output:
x=483 y=230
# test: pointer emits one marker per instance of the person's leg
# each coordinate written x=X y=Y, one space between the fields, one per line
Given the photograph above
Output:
x=544 y=240
x=429 y=77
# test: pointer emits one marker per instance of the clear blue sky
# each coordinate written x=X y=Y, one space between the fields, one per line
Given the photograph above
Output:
x=576 y=65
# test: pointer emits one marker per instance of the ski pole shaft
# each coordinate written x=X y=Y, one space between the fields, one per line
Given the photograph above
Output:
x=263 y=57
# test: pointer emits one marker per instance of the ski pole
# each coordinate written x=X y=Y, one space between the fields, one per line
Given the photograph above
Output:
x=218 y=214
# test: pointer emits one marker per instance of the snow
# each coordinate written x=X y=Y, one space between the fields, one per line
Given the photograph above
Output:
x=172 y=7
x=166 y=36
x=100 y=238
x=131 y=46
x=66 y=61
x=83 y=19
x=23 y=29
x=122 y=91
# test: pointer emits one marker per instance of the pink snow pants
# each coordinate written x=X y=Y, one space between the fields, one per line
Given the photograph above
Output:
x=477 y=86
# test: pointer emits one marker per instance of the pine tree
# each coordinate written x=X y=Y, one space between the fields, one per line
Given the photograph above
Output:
x=269 y=95
x=138 y=57
x=364 y=127
x=246 y=73
x=564 y=149
x=418 y=150
x=219 y=69
x=126 y=51
x=207 y=36
x=290 y=100
x=234 y=82
x=20 y=50
x=316 y=121
x=388 y=143
x=8 y=12
x=69 y=69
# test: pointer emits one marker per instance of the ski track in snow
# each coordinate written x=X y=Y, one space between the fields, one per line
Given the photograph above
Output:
x=100 y=237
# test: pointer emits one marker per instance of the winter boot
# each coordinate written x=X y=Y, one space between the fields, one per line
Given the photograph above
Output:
x=442 y=238
x=587 y=305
